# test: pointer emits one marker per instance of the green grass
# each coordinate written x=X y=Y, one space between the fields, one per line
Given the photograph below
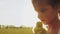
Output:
x=16 y=31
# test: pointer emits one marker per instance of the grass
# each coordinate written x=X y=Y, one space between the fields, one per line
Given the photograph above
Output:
x=16 y=31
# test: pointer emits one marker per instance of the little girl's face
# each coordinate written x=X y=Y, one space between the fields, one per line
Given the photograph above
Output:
x=46 y=13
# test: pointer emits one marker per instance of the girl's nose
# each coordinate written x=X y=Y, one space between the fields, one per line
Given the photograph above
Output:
x=41 y=17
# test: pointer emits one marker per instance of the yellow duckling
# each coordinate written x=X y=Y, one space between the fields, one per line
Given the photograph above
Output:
x=39 y=29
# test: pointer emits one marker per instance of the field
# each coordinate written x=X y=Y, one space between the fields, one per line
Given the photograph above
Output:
x=16 y=31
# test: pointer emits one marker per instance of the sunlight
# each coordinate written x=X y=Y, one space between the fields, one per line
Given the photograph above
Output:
x=18 y=13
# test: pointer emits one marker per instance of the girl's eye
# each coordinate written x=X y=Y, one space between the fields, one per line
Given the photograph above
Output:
x=42 y=10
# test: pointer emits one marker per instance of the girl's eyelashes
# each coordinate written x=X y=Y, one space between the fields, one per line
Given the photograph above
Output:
x=42 y=10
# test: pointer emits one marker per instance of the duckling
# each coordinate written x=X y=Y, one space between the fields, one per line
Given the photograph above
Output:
x=39 y=29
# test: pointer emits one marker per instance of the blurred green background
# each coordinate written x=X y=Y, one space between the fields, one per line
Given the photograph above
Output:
x=15 y=30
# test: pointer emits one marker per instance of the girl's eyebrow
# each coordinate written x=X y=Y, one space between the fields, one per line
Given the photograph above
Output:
x=42 y=8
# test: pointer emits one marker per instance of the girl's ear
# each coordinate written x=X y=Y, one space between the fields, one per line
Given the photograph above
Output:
x=58 y=10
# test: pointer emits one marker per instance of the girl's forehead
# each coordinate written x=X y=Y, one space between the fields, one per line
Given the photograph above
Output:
x=43 y=2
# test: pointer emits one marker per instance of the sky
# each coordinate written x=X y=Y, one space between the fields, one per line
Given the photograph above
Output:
x=17 y=12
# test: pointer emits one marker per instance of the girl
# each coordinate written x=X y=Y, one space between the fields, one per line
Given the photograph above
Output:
x=48 y=11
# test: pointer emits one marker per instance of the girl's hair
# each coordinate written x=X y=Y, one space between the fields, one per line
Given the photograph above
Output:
x=53 y=3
